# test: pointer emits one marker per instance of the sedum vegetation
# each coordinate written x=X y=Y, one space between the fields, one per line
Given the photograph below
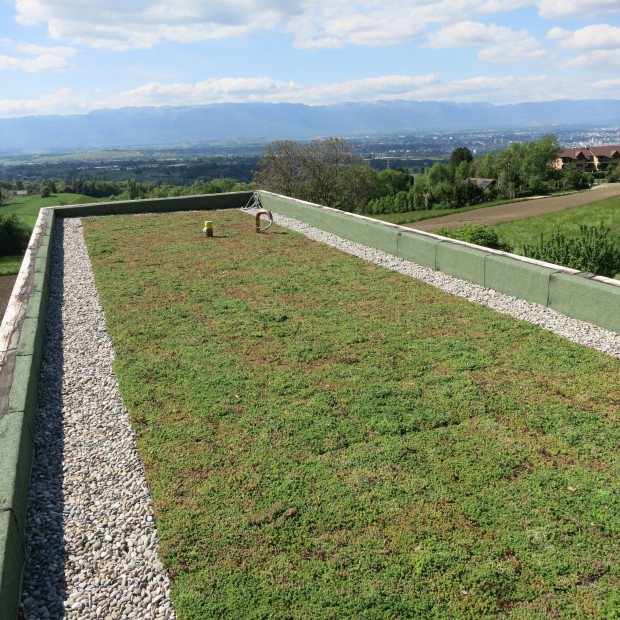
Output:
x=325 y=438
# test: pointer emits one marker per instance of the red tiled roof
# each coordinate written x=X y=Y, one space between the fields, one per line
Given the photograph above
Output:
x=594 y=151
x=576 y=153
x=605 y=151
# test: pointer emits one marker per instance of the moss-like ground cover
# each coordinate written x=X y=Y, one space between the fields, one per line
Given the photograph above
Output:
x=325 y=438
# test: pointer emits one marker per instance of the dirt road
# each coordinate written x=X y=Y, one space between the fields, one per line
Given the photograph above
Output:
x=518 y=210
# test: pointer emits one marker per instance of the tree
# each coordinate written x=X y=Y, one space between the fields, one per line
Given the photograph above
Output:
x=135 y=190
x=460 y=154
x=571 y=177
x=539 y=157
x=508 y=168
x=14 y=235
x=462 y=171
x=390 y=182
x=438 y=174
x=315 y=171
x=356 y=189
x=613 y=174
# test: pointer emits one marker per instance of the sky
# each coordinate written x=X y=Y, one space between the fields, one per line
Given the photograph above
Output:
x=75 y=56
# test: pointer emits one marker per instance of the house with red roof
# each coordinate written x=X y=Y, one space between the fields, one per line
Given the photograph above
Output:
x=591 y=159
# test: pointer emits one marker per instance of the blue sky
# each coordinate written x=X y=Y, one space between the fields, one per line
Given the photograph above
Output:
x=74 y=56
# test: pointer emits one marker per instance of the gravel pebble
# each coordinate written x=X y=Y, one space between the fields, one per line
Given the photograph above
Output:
x=90 y=533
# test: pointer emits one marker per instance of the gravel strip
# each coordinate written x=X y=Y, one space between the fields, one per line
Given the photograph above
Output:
x=572 y=329
x=91 y=538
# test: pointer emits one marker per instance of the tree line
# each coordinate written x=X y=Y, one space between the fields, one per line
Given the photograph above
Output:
x=117 y=190
x=328 y=172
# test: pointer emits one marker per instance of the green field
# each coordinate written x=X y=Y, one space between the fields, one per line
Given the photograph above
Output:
x=9 y=265
x=27 y=208
x=527 y=231
x=418 y=216
x=325 y=438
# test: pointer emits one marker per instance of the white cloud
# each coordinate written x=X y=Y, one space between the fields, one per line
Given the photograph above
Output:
x=497 y=90
x=141 y=24
x=500 y=44
x=520 y=51
x=64 y=101
x=469 y=33
x=45 y=58
x=30 y=49
x=43 y=63
x=605 y=84
x=596 y=60
x=606 y=89
x=585 y=9
x=264 y=89
x=597 y=36
x=390 y=22
x=34 y=50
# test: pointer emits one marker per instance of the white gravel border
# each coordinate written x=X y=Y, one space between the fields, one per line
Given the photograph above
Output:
x=90 y=534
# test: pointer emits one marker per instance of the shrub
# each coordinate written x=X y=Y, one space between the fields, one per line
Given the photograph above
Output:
x=14 y=235
x=595 y=250
x=613 y=174
x=479 y=235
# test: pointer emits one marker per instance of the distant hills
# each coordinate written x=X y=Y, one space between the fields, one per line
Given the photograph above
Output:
x=159 y=126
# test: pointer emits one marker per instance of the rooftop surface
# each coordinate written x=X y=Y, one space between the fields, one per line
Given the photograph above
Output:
x=325 y=437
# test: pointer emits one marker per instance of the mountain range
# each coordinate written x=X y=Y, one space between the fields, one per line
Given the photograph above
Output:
x=167 y=126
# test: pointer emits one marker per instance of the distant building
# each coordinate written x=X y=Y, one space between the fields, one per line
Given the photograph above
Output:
x=592 y=159
x=480 y=182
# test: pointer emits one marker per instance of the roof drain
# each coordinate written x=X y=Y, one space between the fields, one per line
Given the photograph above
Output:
x=258 y=214
x=255 y=203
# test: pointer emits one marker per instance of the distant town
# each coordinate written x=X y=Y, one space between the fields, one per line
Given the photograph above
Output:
x=237 y=160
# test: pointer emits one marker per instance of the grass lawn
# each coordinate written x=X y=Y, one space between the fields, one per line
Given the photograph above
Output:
x=27 y=208
x=418 y=216
x=325 y=438
x=10 y=265
x=527 y=231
